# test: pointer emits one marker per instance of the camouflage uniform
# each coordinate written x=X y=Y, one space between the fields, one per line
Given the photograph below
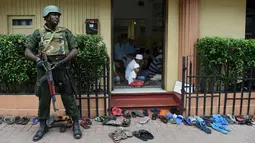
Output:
x=61 y=44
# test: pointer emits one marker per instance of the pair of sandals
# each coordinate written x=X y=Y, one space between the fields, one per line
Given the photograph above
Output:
x=116 y=111
x=143 y=135
x=120 y=134
x=21 y=120
x=218 y=123
x=17 y=120
x=86 y=123
x=100 y=119
x=245 y=120
x=175 y=119
x=136 y=113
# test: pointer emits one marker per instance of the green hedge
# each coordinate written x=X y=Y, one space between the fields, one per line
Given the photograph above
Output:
x=216 y=53
x=15 y=69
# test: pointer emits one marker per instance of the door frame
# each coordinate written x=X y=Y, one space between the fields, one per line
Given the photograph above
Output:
x=164 y=33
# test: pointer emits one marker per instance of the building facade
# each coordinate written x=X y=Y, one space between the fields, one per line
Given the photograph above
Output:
x=185 y=22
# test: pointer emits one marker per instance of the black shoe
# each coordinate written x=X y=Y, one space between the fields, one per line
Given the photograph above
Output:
x=76 y=130
x=39 y=134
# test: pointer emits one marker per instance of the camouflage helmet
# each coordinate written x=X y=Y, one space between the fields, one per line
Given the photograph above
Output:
x=50 y=8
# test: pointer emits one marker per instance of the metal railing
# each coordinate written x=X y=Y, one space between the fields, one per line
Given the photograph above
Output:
x=91 y=82
x=214 y=85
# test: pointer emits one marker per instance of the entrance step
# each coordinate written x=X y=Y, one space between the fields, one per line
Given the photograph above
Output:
x=145 y=100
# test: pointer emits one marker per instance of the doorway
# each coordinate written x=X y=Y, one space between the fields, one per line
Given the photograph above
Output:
x=138 y=28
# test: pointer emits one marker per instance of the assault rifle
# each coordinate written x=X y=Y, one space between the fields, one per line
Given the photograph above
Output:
x=48 y=72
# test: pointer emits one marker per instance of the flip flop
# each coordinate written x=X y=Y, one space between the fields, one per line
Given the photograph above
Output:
x=240 y=120
x=146 y=134
x=145 y=112
x=191 y=120
x=154 y=116
x=116 y=111
x=168 y=116
x=121 y=133
x=127 y=132
x=202 y=126
x=137 y=113
x=163 y=119
x=87 y=120
x=85 y=124
x=155 y=110
x=144 y=120
x=18 y=120
x=179 y=119
x=219 y=119
x=34 y=120
x=232 y=117
x=126 y=114
x=126 y=122
x=172 y=121
x=98 y=119
x=9 y=121
x=224 y=127
x=138 y=135
x=25 y=120
x=108 y=118
x=115 y=137
x=228 y=119
x=217 y=128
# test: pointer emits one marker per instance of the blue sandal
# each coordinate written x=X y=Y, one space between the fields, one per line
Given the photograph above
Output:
x=202 y=126
x=219 y=119
x=216 y=127
x=191 y=120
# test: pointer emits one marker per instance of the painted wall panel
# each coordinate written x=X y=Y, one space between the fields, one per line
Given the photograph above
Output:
x=223 y=18
x=74 y=12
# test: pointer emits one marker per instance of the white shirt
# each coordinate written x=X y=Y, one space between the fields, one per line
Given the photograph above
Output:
x=131 y=77
x=129 y=69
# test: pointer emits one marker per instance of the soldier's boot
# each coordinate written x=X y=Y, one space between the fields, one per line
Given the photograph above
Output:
x=76 y=128
x=42 y=130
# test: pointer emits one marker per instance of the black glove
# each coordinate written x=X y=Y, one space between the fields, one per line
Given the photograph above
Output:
x=39 y=63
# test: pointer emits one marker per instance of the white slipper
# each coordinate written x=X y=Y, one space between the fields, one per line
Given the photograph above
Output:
x=144 y=120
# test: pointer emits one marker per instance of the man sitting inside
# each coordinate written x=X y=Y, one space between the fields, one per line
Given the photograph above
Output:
x=132 y=78
x=155 y=67
x=138 y=60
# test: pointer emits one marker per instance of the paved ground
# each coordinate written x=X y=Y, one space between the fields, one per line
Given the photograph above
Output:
x=163 y=133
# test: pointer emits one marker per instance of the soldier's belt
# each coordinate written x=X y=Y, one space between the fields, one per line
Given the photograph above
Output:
x=55 y=58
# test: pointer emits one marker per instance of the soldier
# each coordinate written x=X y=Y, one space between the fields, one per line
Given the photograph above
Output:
x=60 y=46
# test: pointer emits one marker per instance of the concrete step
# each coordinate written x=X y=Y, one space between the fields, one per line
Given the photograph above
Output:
x=145 y=100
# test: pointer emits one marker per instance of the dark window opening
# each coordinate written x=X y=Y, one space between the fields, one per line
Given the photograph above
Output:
x=22 y=22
